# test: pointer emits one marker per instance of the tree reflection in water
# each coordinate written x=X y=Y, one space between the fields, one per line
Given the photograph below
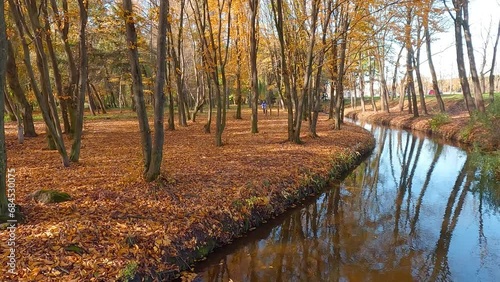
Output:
x=414 y=210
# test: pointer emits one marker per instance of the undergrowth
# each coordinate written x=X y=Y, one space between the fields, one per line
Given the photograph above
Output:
x=438 y=120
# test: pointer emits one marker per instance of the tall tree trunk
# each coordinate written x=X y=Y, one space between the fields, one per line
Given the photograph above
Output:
x=43 y=67
x=17 y=90
x=362 y=83
x=41 y=99
x=82 y=84
x=99 y=99
x=478 y=93
x=333 y=84
x=55 y=69
x=372 y=82
x=176 y=52
x=159 y=137
x=339 y=98
x=416 y=64
x=308 y=71
x=137 y=82
x=4 y=203
x=238 y=70
x=62 y=19
x=254 y=4
x=395 y=76
x=435 y=85
x=9 y=106
x=464 y=82
x=492 y=74
x=277 y=7
x=409 y=62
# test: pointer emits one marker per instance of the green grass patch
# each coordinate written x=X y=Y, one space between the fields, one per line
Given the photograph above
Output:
x=438 y=120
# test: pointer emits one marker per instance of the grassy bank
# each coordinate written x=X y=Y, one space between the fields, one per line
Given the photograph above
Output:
x=116 y=226
x=479 y=130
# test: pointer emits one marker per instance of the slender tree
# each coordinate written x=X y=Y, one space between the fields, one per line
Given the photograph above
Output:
x=18 y=91
x=254 y=8
x=82 y=84
x=427 y=33
x=493 y=59
x=3 y=152
x=41 y=96
x=462 y=73
x=138 y=90
x=478 y=93
x=159 y=138
x=152 y=152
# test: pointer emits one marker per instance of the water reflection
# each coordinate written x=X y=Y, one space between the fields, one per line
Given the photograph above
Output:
x=414 y=210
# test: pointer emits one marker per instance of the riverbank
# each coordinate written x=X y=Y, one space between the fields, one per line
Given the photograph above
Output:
x=455 y=125
x=116 y=226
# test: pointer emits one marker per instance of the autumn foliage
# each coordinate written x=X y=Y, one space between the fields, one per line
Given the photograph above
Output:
x=205 y=194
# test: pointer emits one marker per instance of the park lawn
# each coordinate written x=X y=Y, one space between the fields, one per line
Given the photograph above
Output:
x=117 y=225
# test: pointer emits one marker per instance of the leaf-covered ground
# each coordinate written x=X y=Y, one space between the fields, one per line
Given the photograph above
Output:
x=116 y=221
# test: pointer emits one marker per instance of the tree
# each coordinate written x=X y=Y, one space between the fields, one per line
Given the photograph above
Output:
x=82 y=84
x=492 y=76
x=176 y=50
x=159 y=137
x=215 y=50
x=254 y=8
x=435 y=86
x=478 y=93
x=410 y=84
x=68 y=102
x=152 y=153
x=49 y=113
x=18 y=91
x=4 y=203
x=464 y=82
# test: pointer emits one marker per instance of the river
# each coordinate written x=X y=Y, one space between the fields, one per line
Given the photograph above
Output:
x=415 y=210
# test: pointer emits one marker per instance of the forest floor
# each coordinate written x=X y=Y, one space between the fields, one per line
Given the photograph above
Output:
x=455 y=125
x=117 y=225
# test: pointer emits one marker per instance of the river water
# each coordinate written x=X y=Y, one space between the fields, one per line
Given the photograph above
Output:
x=414 y=210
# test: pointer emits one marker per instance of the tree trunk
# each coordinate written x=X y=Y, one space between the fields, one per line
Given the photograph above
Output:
x=137 y=82
x=43 y=67
x=42 y=101
x=17 y=90
x=409 y=63
x=416 y=63
x=99 y=99
x=492 y=75
x=308 y=71
x=464 y=82
x=334 y=81
x=4 y=203
x=435 y=85
x=238 y=70
x=278 y=17
x=395 y=76
x=339 y=98
x=361 y=84
x=159 y=136
x=55 y=70
x=69 y=98
x=478 y=94
x=372 y=81
x=253 y=63
x=82 y=84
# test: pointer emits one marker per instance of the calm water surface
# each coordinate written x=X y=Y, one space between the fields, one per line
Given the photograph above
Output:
x=415 y=210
